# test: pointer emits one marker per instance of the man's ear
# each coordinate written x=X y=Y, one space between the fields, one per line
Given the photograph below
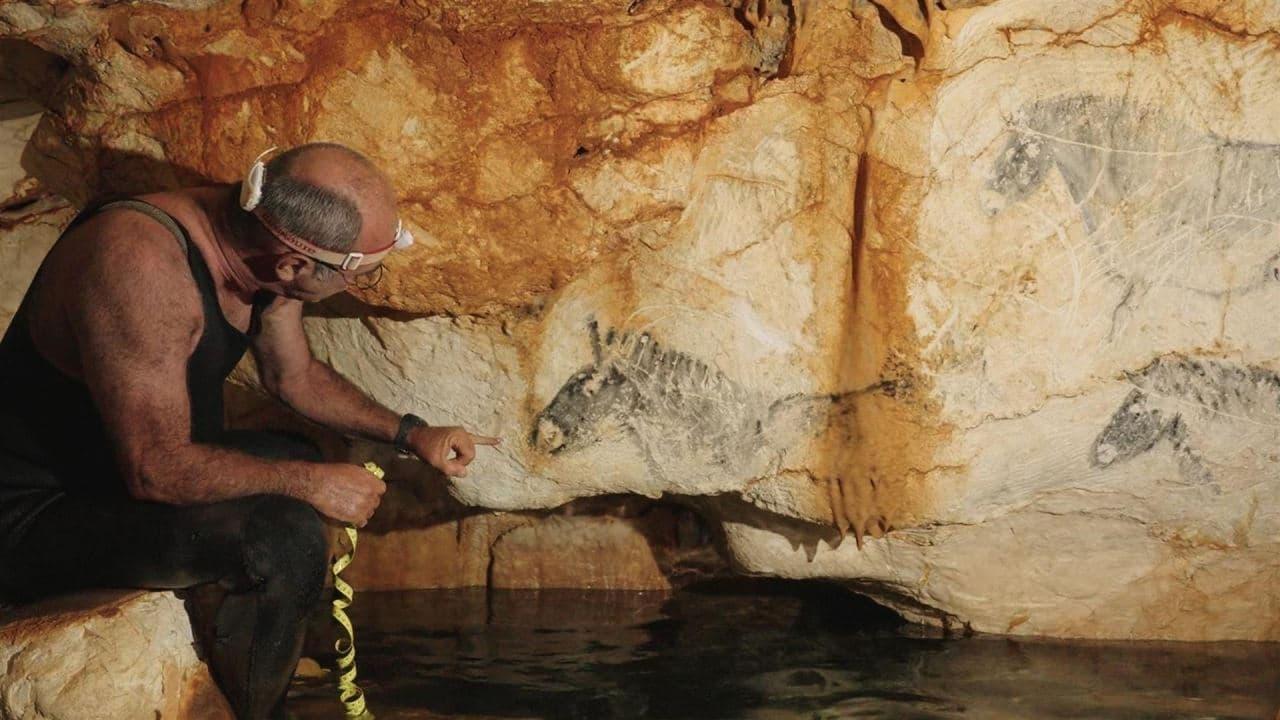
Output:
x=291 y=265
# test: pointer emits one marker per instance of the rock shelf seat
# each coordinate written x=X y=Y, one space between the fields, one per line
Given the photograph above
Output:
x=109 y=654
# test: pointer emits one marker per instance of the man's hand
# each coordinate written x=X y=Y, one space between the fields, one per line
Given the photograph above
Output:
x=346 y=493
x=433 y=445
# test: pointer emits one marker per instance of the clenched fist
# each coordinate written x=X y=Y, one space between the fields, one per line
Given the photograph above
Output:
x=346 y=493
x=433 y=445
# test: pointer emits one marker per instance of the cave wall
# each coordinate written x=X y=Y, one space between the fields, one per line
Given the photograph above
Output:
x=963 y=303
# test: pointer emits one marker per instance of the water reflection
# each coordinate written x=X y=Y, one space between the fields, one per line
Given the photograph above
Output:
x=764 y=651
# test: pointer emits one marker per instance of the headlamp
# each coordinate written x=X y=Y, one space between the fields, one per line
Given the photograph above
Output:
x=251 y=196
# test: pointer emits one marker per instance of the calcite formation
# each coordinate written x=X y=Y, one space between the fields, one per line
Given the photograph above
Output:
x=965 y=304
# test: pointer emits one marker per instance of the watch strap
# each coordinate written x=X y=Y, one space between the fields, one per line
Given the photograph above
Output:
x=408 y=422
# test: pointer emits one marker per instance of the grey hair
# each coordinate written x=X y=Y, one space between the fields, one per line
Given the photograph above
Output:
x=316 y=214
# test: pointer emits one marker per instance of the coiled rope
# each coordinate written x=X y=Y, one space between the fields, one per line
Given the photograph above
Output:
x=349 y=692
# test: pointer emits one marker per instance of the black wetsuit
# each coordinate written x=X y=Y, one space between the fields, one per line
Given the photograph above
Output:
x=67 y=521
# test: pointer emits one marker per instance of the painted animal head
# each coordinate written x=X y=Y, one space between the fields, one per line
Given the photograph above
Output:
x=1063 y=132
x=1134 y=429
x=584 y=406
x=1021 y=167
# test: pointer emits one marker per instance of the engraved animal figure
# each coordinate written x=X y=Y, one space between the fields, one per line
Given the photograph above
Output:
x=676 y=408
x=1162 y=204
x=1176 y=396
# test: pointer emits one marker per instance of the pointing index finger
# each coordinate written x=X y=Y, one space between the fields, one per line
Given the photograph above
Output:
x=485 y=439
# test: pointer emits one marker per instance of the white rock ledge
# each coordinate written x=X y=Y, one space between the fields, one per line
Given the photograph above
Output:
x=104 y=654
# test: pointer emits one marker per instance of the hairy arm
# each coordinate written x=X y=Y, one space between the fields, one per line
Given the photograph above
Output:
x=319 y=393
x=133 y=355
x=310 y=387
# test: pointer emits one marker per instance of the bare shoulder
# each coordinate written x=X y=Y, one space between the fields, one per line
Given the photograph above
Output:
x=126 y=244
x=120 y=236
x=126 y=264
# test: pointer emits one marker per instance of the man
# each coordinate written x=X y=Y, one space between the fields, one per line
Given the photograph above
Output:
x=115 y=469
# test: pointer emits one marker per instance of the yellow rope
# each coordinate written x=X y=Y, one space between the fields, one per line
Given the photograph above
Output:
x=349 y=693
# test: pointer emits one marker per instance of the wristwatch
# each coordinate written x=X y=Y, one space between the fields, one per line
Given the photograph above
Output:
x=408 y=422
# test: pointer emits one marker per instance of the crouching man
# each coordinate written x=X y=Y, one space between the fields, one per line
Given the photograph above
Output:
x=115 y=468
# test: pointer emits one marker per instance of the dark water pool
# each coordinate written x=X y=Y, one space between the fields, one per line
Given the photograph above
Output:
x=766 y=650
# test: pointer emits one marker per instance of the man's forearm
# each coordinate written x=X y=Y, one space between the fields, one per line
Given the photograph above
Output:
x=325 y=397
x=196 y=473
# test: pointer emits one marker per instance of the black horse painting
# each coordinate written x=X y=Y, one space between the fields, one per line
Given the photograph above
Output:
x=677 y=409
x=1177 y=397
x=1162 y=205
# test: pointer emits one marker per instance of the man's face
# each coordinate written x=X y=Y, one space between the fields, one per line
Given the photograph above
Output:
x=321 y=280
x=303 y=278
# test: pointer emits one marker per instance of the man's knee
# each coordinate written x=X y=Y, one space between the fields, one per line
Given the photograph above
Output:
x=286 y=548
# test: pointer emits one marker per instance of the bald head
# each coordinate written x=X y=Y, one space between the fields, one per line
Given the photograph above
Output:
x=330 y=195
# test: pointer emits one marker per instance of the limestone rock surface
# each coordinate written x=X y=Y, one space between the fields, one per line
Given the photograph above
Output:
x=30 y=218
x=616 y=543
x=107 y=654
x=575 y=552
x=18 y=120
x=987 y=287
x=25 y=236
x=453 y=554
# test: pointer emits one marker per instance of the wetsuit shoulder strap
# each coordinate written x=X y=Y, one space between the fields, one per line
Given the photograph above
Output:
x=154 y=213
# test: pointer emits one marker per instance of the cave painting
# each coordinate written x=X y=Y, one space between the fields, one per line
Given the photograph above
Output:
x=1162 y=205
x=1176 y=389
x=675 y=407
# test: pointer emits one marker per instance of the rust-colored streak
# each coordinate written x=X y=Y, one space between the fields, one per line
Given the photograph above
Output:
x=484 y=117
x=878 y=442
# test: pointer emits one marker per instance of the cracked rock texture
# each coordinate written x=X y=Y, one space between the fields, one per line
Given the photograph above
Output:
x=967 y=304
x=561 y=551
x=107 y=654
x=510 y=551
